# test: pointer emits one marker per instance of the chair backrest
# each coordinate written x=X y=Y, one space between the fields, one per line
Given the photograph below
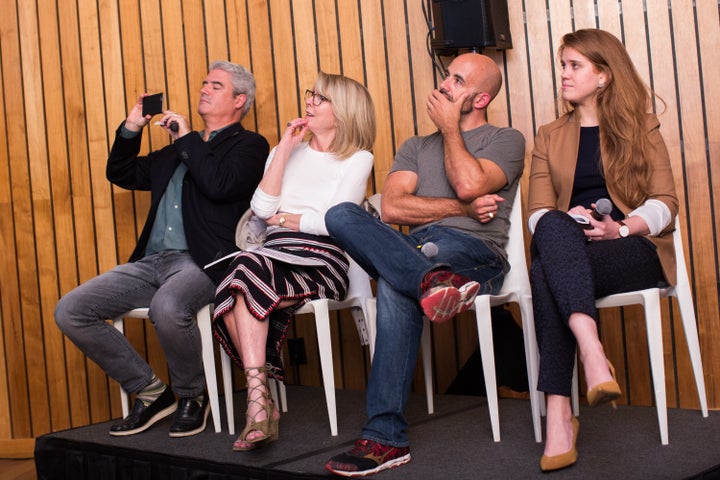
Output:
x=359 y=286
x=517 y=280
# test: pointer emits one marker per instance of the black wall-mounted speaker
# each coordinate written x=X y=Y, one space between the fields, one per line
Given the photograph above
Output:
x=474 y=24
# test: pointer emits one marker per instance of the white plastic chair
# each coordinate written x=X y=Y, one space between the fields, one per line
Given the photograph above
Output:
x=516 y=288
x=359 y=290
x=204 y=323
x=650 y=300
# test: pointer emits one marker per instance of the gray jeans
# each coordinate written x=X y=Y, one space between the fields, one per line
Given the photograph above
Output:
x=174 y=288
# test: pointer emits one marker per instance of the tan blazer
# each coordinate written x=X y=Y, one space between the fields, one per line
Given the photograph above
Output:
x=552 y=174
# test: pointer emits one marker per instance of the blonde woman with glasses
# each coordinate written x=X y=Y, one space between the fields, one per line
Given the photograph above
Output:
x=322 y=159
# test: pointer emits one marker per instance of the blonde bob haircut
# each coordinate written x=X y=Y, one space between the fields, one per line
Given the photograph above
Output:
x=354 y=112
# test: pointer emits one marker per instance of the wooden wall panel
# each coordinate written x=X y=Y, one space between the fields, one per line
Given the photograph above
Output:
x=19 y=259
x=8 y=282
x=708 y=33
x=53 y=244
x=697 y=172
x=68 y=79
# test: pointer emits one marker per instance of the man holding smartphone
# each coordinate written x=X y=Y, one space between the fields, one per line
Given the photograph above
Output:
x=200 y=186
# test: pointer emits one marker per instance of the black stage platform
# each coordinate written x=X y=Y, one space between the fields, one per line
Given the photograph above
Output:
x=454 y=443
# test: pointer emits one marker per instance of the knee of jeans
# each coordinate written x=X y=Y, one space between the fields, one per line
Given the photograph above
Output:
x=60 y=314
x=172 y=308
x=65 y=315
x=335 y=216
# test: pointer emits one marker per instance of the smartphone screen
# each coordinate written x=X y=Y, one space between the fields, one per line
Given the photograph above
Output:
x=152 y=104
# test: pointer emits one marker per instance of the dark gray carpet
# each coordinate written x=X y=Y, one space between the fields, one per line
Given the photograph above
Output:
x=454 y=443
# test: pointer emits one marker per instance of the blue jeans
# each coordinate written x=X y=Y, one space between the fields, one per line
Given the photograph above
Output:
x=395 y=261
x=174 y=288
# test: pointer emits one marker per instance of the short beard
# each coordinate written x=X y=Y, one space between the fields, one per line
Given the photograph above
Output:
x=467 y=106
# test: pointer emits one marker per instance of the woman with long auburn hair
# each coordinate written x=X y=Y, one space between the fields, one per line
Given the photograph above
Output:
x=601 y=208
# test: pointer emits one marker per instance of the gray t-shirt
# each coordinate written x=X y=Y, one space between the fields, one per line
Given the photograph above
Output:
x=425 y=157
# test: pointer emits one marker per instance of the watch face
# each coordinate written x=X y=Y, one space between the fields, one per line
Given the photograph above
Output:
x=624 y=231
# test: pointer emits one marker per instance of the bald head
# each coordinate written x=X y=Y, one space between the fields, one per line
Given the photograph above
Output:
x=480 y=71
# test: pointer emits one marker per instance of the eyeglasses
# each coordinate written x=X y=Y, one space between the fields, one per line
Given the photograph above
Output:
x=317 y=99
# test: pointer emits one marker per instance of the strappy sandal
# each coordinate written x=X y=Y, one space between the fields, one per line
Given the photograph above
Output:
x=269 y=426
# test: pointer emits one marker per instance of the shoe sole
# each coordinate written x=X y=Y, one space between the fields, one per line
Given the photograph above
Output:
x=396 y=462
x=252 y=446
x=153 y=420
x=190 y=433
x=468 y=292
x=441 y=305
x=260 y=442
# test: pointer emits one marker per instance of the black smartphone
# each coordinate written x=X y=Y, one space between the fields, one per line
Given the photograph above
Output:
x=152 y=104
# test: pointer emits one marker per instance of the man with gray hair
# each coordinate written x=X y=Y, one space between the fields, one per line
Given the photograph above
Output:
x=200 y=186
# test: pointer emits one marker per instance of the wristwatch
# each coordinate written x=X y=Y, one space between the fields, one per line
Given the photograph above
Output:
x=283 y=219
x=623 y=231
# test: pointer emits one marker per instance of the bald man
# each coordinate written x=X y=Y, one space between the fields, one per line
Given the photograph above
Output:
x=454 y=189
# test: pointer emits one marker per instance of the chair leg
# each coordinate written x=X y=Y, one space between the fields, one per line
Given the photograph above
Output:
x=208 y=352
x=575 y=390
x=655 y=348
x=283 y=397
x=322 y=322
x=532 y=363
x=425 y=343
x=273 y=387
x=279 y=395
x=371 y=309
x=487 y=354
x=119 y=324
x=226 y=364
x=687 y=313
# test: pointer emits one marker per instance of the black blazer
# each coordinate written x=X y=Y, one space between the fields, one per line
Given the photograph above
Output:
x=221 y=178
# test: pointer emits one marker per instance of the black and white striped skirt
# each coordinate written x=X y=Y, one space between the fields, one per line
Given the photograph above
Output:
x=265 y=282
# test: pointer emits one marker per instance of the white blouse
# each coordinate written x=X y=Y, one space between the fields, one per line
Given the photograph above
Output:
x=312 y=183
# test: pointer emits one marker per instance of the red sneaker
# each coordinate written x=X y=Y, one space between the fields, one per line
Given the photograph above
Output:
x=367 y=458
x=445 y=294
x=468 y=291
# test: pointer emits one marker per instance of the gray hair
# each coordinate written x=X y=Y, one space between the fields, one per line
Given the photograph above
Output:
x=242 y=81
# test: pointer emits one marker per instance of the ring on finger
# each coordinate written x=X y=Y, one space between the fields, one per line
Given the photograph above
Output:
x=491 y=215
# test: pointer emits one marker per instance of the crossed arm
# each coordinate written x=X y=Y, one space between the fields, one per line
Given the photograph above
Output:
x=400 y=204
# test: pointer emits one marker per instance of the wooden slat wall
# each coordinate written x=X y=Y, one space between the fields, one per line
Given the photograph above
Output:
x=71 y=69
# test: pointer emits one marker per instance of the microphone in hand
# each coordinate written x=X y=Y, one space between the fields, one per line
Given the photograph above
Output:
x=602 y=207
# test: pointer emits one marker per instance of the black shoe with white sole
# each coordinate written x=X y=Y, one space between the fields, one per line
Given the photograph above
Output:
x=143 y=417
x=190 y=418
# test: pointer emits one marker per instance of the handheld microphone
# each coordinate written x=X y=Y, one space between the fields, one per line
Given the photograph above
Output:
x=429 y=249
x=602 y=207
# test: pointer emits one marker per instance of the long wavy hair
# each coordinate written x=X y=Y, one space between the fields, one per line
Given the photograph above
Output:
x=622 y=103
